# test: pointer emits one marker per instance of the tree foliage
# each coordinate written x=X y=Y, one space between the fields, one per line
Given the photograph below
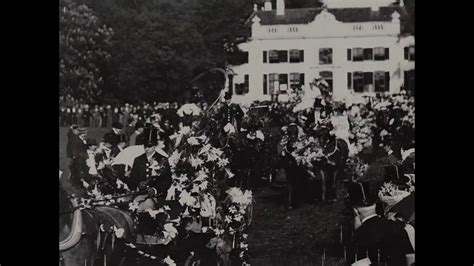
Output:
x=83 y=46
x=160 y=45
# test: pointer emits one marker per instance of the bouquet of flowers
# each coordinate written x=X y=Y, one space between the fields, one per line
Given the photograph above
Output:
x=391 y=194
x=361 y=131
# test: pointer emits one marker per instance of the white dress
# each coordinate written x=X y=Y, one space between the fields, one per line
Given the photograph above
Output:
x=342 y=130
x=307 y=100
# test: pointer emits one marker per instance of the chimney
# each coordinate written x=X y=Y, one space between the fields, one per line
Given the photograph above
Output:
x=268 y=5
x=280 y=7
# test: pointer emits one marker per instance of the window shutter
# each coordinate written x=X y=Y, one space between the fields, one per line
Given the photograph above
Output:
x=283 y=56
x=387 y=53
x=349 y=80
x=264 y=56
x=349 y=54
x=406 y=49
x=301 y=55
x=301 y=79
x=387 y=81
x=265 y=84
x=246 y=84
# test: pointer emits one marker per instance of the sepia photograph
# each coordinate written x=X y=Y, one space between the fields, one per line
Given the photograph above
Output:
x=236 y=132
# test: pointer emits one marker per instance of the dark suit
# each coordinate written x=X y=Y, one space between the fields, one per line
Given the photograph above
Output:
x=389 y=237
x=231 y=114
x=141 y=172
x=79 y=168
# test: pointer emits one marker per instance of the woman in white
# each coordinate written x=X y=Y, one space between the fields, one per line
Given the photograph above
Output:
x=309 y=96
x=340 y=122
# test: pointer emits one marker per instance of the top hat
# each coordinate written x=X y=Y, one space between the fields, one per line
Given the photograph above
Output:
x=151 y=136
x=227 y=96
x=117 y=125
x=91 y=142
x=360 y=194
x=139 y=124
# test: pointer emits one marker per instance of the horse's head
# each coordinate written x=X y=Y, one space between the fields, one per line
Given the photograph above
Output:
x=323 y=133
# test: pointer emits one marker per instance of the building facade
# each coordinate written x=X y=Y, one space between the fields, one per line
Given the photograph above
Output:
x=359 y=47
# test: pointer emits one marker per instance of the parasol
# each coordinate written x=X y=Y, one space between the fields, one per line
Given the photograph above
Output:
x=189 y=109
x=128 y=155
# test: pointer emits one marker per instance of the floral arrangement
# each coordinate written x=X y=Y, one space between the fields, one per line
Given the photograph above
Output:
x=361 y=132
x=391 y=194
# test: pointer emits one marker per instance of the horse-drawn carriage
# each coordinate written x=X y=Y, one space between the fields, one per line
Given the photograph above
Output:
x=197 y=220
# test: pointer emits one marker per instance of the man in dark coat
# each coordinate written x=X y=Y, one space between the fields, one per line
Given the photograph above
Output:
x=151 y=170
x=79 y=155
x=379 y=239
x=116 y=138
x=230 y=113
x=137 y=137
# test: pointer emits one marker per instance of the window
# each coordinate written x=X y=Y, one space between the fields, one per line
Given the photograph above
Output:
x=296 y=80
x=382 y=81
x=296 y=56
x=349 y=80
x=357 y=54
x=265 y=84
x=368 y=54
x=368 y=82
x=381 y=53
x=273 y=82
x=325 y=56
x=265 y=56
x=276 y=56
x=327 y=76
x=410 y=53
x=242 y=88
x=358 y=81
x=283 y=83
x=283 y=56
x=349 y=54
x=273 y=56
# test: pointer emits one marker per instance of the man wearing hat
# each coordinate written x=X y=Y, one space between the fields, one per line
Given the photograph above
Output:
x=381 y=240
x=116 y=138
x=137 y=137
x=151 y=170
x=79 y=156
x=230 y=115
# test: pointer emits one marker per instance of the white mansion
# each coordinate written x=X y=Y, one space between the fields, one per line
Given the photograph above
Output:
x=358 y=46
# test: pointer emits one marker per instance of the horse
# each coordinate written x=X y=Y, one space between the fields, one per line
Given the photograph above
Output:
x=81 y=240
x=332 y=165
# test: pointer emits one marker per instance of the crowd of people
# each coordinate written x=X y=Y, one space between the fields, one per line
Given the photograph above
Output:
x=384 y=123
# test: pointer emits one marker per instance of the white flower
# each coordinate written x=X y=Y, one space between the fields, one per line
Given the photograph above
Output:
x=201 y=175
x=229 y=173
x=119 y=232
x=170 y=229
x=169 y=261
x=174 y=158
x=153 y=213
x=133 y=206
x=223 y=162
x=193 y=141
x=260 y=135
x=205 y=149
x=195 y=162
x=186 y=199
x=167 y=208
